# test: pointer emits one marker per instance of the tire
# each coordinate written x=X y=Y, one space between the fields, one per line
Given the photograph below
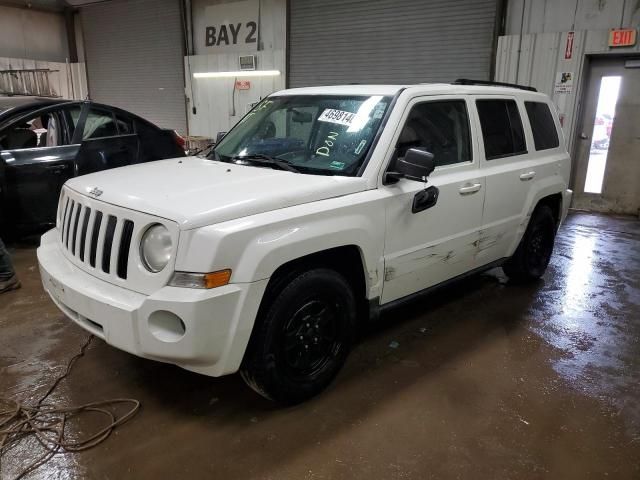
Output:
x=302 y=337
x=531 y=258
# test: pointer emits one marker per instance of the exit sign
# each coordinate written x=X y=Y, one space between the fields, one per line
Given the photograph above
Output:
x=622 y=37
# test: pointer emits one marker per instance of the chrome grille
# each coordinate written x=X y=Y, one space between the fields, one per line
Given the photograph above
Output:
x=95 y=238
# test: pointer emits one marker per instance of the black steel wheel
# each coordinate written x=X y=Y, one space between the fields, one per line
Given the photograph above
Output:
x=531 y=258
x=311 y=337
x=302 y=337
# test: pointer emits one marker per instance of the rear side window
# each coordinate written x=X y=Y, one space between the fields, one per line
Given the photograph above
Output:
x=125 y=125
x=545 y=135
x=99 y=124
x=501 y=128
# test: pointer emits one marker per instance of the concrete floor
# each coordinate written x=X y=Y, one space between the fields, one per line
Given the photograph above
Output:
x=484 y=380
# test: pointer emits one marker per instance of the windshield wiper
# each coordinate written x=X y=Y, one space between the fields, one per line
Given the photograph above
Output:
x=261 y=159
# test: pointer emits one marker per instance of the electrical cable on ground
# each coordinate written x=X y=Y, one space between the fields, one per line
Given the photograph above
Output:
x=47 y=423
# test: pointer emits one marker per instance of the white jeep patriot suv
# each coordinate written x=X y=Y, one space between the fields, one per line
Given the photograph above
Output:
x=318 y=208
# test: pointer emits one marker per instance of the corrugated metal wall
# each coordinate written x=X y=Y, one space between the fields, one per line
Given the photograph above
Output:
x=389 y=41
x=538 y=58
x=540 y=16
x=134 y=54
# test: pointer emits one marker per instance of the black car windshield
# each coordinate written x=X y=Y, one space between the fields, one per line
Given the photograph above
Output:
x=317 y=134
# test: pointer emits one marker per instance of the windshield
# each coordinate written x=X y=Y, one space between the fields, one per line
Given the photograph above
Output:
x=318 y=134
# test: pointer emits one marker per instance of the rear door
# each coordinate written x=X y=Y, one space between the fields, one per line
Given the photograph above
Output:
x=156 y=143
x=103 y=145
x=510 y=172
x=128 y=137
x=428 y=247
x=38 y=155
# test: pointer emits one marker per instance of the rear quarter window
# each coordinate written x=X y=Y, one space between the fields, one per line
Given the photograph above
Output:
x=125 y=124
x=545 y=135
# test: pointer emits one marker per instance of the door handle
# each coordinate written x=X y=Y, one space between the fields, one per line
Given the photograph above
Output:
x=527 y=176
x=57 y=168
x=470 y=188
x=584 y=136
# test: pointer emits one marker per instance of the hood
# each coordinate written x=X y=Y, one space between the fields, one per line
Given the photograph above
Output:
x=196 y=192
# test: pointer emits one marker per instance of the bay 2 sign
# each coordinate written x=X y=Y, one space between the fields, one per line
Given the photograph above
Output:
x=231 y=26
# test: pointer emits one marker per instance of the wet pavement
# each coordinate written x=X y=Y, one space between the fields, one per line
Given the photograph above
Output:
x=483 y=379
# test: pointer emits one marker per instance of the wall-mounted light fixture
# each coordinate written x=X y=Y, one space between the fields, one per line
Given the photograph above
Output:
x=238 y=73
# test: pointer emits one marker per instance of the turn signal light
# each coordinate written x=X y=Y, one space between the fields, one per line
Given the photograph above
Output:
x=201 y=280
x=217 y=279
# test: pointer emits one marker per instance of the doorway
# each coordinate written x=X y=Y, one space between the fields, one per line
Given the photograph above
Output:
x=606 y=168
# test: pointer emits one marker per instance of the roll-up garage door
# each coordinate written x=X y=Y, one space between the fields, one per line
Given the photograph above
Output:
x=389 y=41
x=134 y=55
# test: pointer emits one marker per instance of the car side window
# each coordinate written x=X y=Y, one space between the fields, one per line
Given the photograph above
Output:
x=439 y=127
x=44 y=130
x=125 y=124
x=545 y=135
x=99 y=124
x=72 y=116
x=501 y=128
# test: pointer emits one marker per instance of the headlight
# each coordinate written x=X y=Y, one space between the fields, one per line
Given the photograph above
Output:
x=156 y=247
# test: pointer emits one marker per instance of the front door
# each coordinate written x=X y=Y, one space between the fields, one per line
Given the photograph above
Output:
x=606 y=168
x=428 y=247
x=38 y=157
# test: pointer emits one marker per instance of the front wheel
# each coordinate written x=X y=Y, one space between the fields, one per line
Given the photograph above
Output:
x=302 y=338
x=531 y=258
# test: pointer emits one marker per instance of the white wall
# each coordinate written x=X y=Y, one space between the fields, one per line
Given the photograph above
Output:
x=273 y=23
x=67 y=80
x=542 y=16
x=537 y=57
x=31 y=34
x=38 y=40
x=537 y=60
x=218 y=107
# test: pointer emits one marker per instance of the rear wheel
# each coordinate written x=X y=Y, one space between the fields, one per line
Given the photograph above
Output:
x=302 y=338
x=531 y=258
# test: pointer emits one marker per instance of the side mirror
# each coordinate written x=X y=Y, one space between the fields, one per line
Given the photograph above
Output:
x=416 y=165
x=220 y=136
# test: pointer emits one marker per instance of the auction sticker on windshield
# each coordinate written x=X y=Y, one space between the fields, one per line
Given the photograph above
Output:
x=337 y=116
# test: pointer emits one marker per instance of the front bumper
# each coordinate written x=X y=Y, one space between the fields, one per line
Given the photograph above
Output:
x=210 y=336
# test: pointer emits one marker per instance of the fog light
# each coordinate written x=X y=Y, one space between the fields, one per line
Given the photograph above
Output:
x=166 y=326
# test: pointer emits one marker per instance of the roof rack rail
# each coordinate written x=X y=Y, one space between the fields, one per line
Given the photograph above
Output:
x=466 y=81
